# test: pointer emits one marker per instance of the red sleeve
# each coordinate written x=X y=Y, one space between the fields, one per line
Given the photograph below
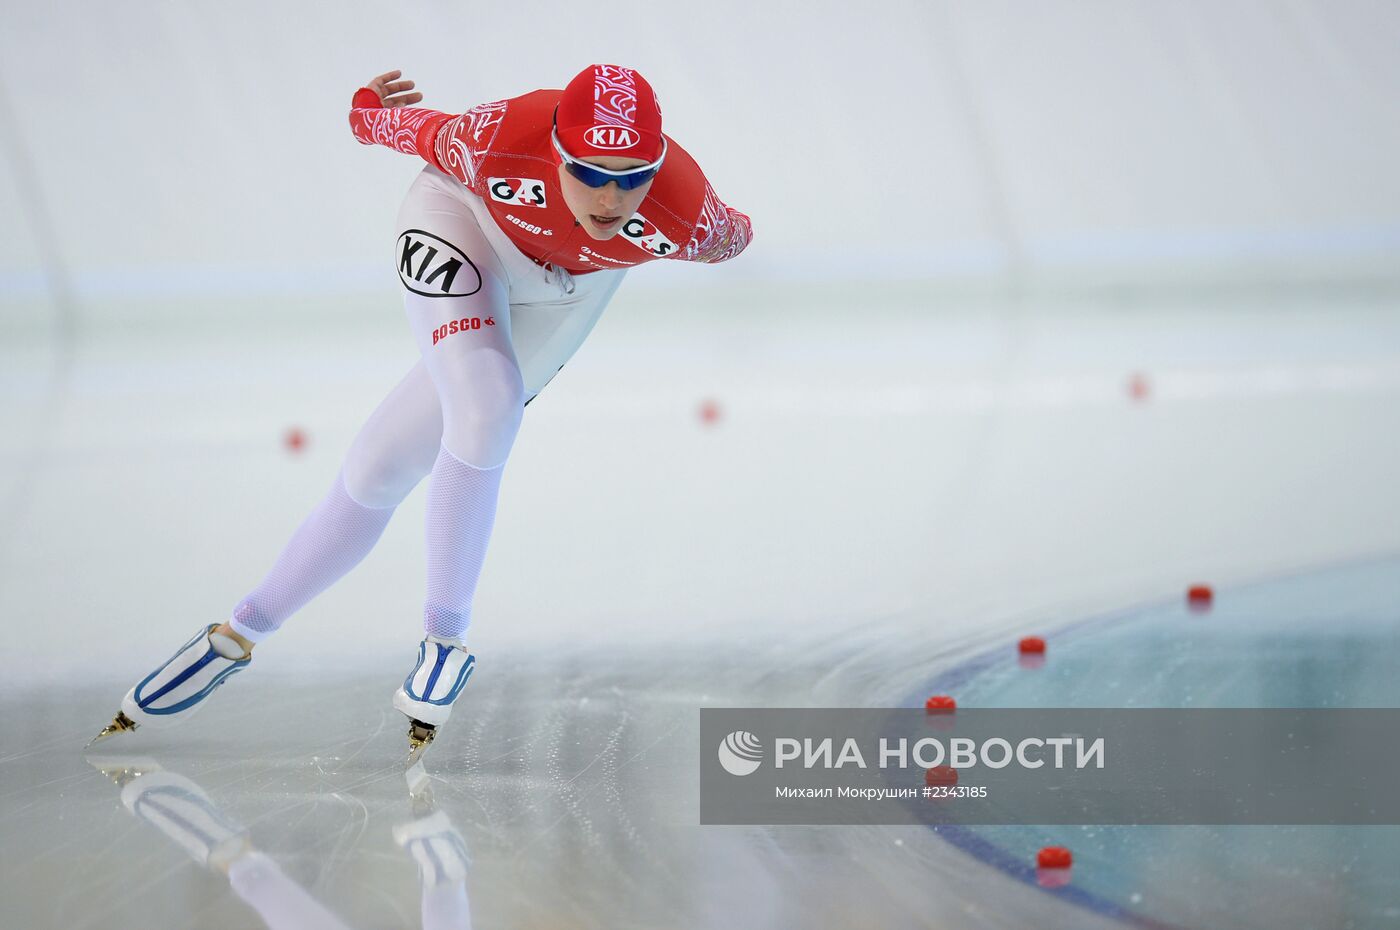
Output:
x=721 y=232
x=454 y=145
x=410 y=130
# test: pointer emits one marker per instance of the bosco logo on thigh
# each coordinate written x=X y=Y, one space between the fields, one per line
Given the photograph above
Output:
x=465 y=324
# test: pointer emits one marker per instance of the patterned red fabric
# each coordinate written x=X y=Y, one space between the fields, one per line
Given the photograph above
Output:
x=502 y=152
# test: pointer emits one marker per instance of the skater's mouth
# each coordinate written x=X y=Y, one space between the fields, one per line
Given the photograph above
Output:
x=604 y=222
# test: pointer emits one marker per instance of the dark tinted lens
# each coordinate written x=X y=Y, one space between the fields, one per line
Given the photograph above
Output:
x=594 y=178
x=587 y=175
x=636 y=179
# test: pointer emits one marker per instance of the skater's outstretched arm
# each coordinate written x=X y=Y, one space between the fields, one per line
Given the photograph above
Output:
x=454 y=144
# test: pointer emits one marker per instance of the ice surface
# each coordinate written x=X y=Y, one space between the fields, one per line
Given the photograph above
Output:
x=875 y=503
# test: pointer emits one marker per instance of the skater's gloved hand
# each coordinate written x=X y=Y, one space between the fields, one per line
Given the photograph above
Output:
x=390 y=91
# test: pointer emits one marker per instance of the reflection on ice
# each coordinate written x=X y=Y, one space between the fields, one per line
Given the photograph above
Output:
x=184 y=813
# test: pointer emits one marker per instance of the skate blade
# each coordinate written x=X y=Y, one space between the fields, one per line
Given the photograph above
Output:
x=420 y=737
x=121 y=723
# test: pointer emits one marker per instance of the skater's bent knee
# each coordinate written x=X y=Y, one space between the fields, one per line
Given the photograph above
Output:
x=379 y=479
x=479 y=426
x=484 y=384
x=482 y=441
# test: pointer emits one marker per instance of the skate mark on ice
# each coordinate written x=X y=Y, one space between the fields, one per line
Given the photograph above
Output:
x=364 y=741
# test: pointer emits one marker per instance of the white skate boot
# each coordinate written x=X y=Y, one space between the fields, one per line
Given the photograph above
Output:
x=177 y=688
x=426 y=695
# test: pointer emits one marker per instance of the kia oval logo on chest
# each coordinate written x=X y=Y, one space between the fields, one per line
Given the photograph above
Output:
x=611 y=137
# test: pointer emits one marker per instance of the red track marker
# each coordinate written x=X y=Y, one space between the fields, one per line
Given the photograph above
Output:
x=940 y=704
x=1139 y=388
x=941 y=775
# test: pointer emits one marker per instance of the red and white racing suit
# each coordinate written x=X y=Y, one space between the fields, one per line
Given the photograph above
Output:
x=501 y=287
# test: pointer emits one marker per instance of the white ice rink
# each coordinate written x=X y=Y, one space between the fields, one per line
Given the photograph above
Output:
x=879 y=498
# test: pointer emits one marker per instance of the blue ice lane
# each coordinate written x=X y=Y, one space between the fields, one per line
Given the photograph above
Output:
x=1330 y=638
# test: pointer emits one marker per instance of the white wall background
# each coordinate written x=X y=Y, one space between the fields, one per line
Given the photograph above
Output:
x=174 y=151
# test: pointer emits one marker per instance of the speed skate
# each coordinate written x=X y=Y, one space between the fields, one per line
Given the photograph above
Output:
x=178 y=687
x=427 y=694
